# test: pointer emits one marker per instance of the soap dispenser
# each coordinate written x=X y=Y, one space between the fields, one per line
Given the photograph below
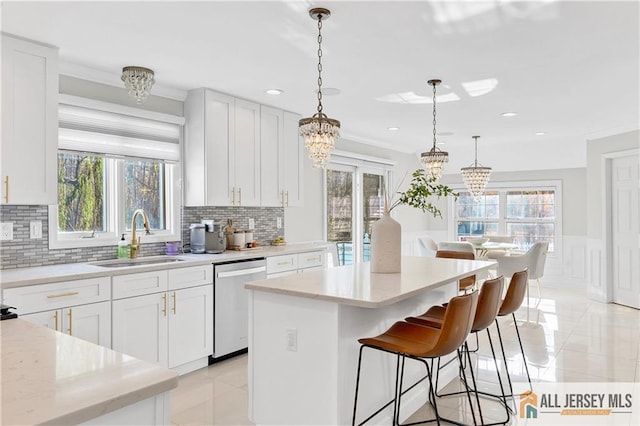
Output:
x=123 y=248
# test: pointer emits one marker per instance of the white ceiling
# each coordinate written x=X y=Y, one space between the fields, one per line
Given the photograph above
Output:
x=569 y=68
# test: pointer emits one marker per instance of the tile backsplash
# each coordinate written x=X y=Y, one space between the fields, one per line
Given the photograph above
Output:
x=24 y=252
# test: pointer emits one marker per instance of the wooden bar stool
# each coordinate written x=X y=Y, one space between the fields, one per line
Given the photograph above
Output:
x=489 y=302
x=418 y=342
x=467 y=283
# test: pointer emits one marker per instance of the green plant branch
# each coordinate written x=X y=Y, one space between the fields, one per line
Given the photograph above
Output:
x=420 y=190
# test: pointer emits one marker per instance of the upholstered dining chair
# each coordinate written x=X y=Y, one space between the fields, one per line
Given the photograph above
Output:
x=533 y=260
x=456 y=246
x=426 y=246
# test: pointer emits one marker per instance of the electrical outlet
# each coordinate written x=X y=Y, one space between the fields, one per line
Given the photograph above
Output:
x=279 y=223
x=6 y=234
x=292 y=339
x=252 y=223
x=35 y=229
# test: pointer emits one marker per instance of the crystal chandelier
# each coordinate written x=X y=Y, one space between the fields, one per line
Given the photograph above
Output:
x=138 y=81
x=319 y=131
x=476 y=176
x=433 y=160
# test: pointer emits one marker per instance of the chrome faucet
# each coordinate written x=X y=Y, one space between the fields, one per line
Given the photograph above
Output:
x=135 y=244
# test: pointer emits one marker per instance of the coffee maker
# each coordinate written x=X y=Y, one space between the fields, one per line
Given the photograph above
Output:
x=214 y=238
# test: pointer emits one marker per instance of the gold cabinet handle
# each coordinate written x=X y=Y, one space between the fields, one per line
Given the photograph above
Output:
x=282 y=198
x=70 y=322
x=233 y=196
x=71 y=293
x=239 y=196
x=55 y=320
x=287 y=262
x=164 y=304
x=287 y=198
x=175 y=304
x=6 y=189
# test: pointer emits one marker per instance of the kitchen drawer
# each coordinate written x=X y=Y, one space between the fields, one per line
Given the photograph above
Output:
x=285 y=262
x=190 y=277
x=310 y=259
x=138 y=284
x=45 y=297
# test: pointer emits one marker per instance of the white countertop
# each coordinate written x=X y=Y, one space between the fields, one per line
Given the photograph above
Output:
x=51 y=377
x=355 y=285
x=74 y=271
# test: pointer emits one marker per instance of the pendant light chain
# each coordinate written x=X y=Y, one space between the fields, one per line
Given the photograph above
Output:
x=434 y=115
x=320 y=64
x=475 y=163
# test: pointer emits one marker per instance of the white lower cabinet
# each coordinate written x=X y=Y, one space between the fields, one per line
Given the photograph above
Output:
x=139 y=327
x=296 y=263
x=90 y=322
x=173 y=328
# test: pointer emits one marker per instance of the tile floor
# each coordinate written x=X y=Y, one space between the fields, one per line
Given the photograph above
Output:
x=566 y=337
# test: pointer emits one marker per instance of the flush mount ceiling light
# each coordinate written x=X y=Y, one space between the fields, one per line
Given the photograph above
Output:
x=476 y=176
x=319 y=131
x=274 y=91
x=433 y=160
x=509 y=114
x=138 y=81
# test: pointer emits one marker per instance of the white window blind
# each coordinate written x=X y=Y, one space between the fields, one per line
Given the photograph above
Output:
x=97 y=130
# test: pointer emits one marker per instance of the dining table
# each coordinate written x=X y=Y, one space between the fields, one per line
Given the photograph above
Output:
x=483 y=249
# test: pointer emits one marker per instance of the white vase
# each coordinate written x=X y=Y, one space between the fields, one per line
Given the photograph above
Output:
x=386 y=246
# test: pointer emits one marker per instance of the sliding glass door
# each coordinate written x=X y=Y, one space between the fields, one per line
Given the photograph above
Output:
x=354 y=201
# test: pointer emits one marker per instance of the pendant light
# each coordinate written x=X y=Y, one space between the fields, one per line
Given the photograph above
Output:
x=138 y=81
x=319 y=131
x=433 y=160
x=476 y=176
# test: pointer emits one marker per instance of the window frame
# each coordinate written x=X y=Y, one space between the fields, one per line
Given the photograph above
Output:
x=502 y=188
x=114 y=187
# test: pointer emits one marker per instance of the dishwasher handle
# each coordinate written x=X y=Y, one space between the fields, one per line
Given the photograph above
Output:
x=240 y=272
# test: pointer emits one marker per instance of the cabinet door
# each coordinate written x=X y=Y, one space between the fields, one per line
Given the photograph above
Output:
x=139 y=327
x=292 y=161
x=29 y=122
x=190 y=324
x=89 y=322
x=271 y=128
x=220 y=135
x=50 y=319
x=246 y=154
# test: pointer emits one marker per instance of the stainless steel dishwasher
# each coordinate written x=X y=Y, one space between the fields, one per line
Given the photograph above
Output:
x=230 y=304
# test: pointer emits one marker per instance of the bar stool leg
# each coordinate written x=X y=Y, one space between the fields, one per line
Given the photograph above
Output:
x=355 y=402
x=504 y=357
x=524 y=358
x=504 y=396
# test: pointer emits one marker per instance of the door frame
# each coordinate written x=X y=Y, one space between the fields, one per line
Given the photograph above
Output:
x=607 y=218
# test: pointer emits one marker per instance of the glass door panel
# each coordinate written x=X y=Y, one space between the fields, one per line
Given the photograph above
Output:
x=372 y=208
x=340 y=223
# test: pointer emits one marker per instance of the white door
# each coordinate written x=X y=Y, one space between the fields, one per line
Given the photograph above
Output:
x=625 y=242
x=190 y=324
x=245 y=167
x=89 y=322
x=292 y=150
x=140 y=327
x=271 y=127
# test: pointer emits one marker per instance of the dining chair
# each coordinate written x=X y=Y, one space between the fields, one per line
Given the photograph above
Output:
x=456 y=246
x=427 y=246
x=533 y=260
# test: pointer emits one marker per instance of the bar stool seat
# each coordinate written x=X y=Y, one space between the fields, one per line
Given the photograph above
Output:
x=418 y=342
x=466 y=283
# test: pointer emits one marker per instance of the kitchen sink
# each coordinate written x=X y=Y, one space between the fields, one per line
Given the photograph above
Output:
x=123 y=263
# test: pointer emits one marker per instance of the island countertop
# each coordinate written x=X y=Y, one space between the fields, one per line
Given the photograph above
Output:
x=355 y=285
x=54 y=378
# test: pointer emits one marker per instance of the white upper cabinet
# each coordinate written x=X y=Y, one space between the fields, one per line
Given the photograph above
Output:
x=246 y=155
x=236 y=150
x=271 y=141
x=292 y=161
x=29 y=122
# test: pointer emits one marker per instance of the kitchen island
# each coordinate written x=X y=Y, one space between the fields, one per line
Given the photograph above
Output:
x=303 y=332
x=53 y=378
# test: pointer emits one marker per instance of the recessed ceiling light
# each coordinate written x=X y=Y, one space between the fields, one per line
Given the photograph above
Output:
x=393 y=128
x=509 y=114
x=274 y=91
x=540 y=133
